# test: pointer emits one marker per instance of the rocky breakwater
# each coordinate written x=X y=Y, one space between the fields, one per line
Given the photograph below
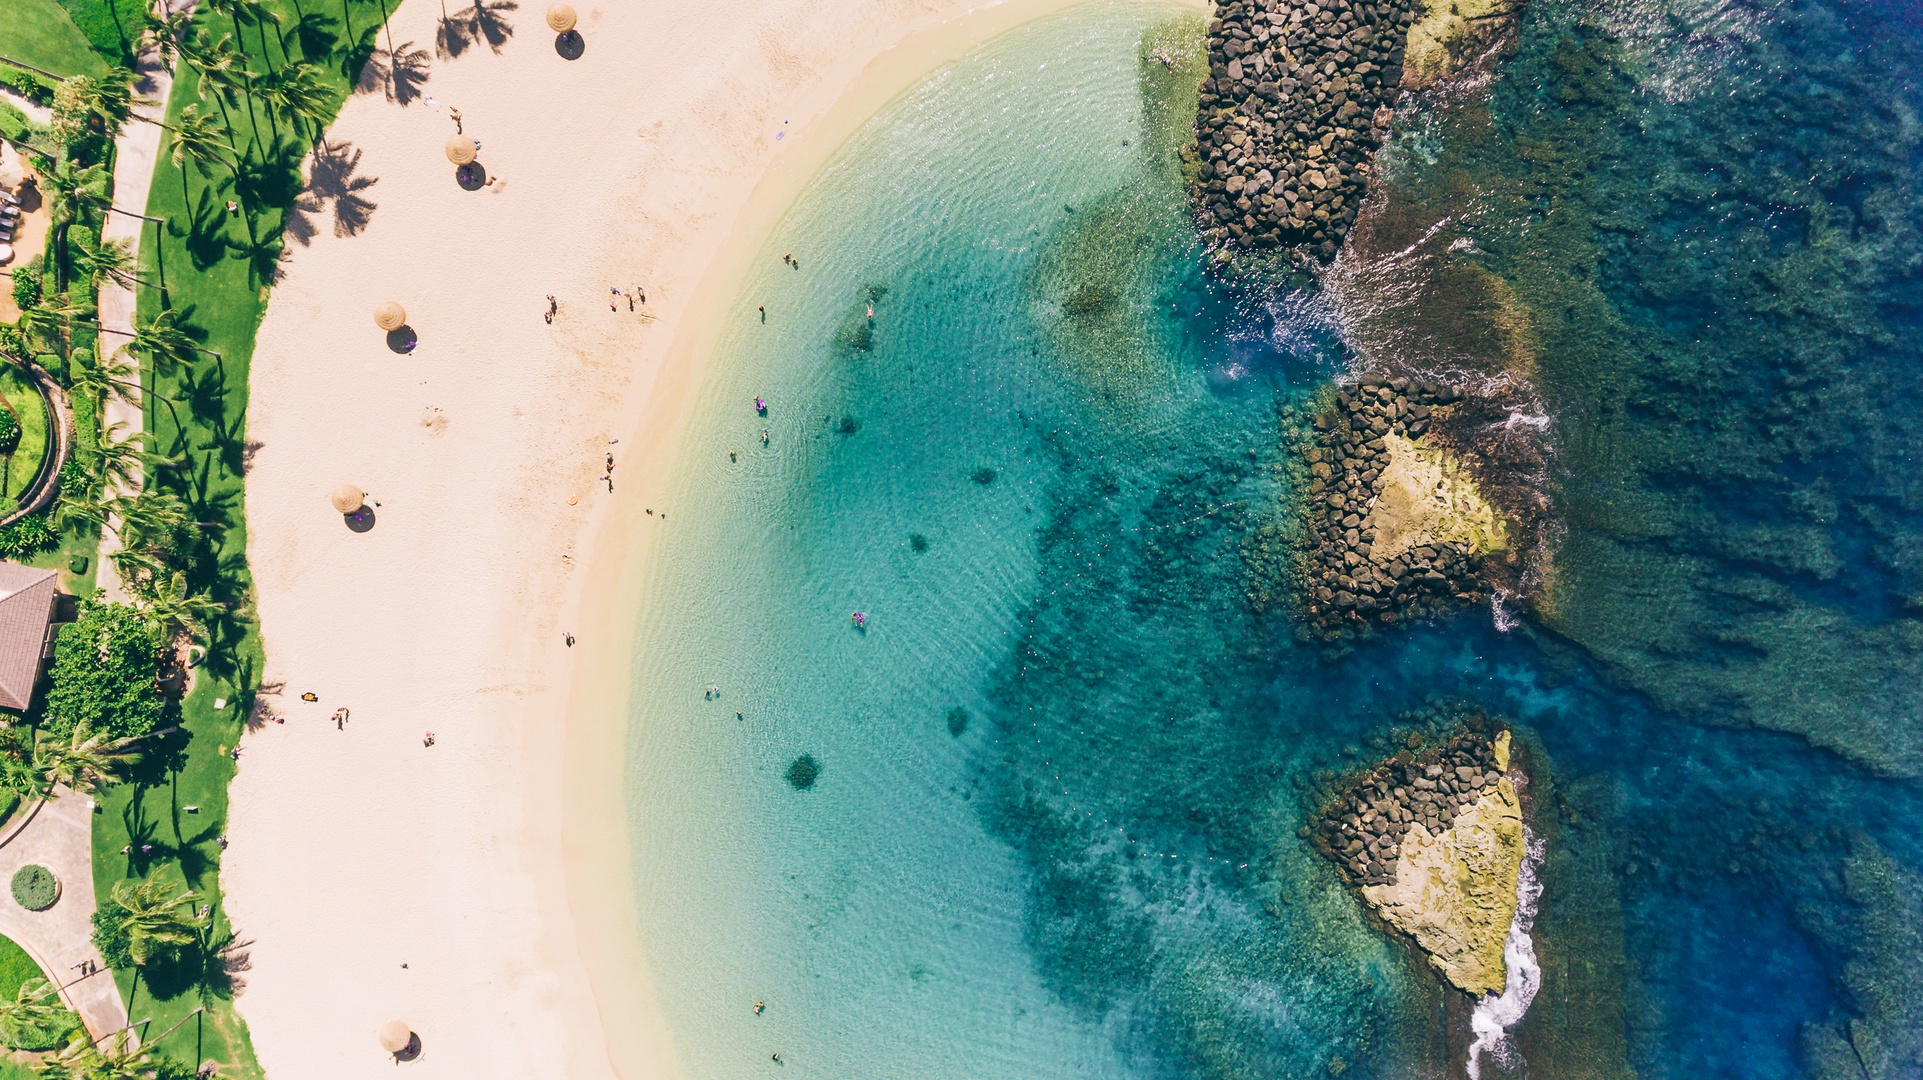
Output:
x=1296 y=102
x=1396 y=528
x=1433 y=842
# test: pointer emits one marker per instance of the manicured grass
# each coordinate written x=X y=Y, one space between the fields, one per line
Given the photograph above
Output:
x=23 y=464
x=16 y=967
x=216 y=269
x=40 y=33
x=110 y=25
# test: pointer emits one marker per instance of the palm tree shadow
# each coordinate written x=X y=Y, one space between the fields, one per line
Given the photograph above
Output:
x=205 y=231
x=485 y=21
x=313 y=34
x=400 y=73
x=333 y=178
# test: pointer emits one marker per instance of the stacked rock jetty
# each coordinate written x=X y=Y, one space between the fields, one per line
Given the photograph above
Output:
x=1294 y=106
x=1347 y=586
x=1364 y=828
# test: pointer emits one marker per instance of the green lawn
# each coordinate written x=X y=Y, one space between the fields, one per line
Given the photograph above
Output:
x=111 y=25
x=40 y=33
x=23 y=464
x=16 y=966
x=213 y=266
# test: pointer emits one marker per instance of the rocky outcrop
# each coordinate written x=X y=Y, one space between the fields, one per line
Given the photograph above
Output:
x=1296 y=102
x=1434 y=844
x=1396 y=529
x=1448 y=37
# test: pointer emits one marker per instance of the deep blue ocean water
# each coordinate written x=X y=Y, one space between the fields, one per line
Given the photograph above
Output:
x=1063 y=767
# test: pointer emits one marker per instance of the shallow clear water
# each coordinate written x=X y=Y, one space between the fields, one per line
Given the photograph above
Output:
x=1062 y=769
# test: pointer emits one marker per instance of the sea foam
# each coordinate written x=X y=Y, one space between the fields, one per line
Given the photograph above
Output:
x=1496 y=1014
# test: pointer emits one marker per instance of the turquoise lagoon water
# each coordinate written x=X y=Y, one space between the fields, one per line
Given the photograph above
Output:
x=1063 y=767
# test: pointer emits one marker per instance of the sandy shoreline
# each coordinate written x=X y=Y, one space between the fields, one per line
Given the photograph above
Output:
x=479 y=888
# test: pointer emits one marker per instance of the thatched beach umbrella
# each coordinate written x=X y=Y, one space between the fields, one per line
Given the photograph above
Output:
x=390 y=316
x=348 y=498
x=460 y=150
x=560 y=18
x=396 y=1036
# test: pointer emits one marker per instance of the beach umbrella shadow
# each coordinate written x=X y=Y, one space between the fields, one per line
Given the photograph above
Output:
x=570 y=45
x=402 y=339
x=361 y=520
x=471 y=176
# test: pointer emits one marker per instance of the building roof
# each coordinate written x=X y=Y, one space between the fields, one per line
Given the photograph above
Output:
x=26 y=607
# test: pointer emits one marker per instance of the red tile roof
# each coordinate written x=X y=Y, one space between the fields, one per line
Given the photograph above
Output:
x=26 y=607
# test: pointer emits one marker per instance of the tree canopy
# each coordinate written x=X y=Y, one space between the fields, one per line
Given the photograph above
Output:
x=105 y=668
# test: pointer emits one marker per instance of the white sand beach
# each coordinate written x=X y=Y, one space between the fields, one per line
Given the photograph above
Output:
x=477 y=889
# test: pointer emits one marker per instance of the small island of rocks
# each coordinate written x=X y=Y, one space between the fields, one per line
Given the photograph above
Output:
x=1433 y=842
x=1396 y=528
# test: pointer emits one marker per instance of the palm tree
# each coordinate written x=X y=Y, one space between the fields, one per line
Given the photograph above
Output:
x=161 y=342
x=19 y=768
x=152 y=528
x=176 y=610
x=108 y=96
x=122 y=461
x=303 y=95
x=224 y=67
x=100 y=377
x=35 y=1016
x=87 y=759
x=168 y=33
x=84 y=1059
x=113 y=261
x=49 y=320
x=67 y=182
x=249 y=11
x=196 y=139
x=158 y=921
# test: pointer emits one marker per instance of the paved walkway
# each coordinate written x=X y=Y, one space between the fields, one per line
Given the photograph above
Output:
x=136 y=152
x=59 y=836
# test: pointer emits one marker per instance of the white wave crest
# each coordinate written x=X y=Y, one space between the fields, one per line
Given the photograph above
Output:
x=1496 y=1014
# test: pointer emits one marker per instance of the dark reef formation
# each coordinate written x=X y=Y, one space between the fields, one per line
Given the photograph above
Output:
x=1295 y=104
x=1392 y=532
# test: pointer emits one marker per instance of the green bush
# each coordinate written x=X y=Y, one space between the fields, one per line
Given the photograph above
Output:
x=9 y=431
x=26 y=84
x=110 y=937
x=28 y=536
x=35 y=888
x=75 y=481
x=104 y=667
x=12 y=342
x=26 y=284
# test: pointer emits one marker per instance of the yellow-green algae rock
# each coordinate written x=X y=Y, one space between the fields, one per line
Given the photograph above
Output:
x=1455 y=893
x=1450 y=33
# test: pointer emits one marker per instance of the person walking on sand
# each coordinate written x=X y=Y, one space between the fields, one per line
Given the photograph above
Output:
x=455 y=114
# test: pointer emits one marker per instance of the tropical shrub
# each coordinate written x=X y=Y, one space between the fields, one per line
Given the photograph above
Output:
x=34 y=1018
x=35 y=888
x=109 y=937
x=11 y=342
x=26 y=284
x=28 y=536
x=9 y=431
x=104 y=671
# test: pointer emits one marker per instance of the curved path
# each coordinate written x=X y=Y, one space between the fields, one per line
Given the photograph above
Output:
x=58 y=834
